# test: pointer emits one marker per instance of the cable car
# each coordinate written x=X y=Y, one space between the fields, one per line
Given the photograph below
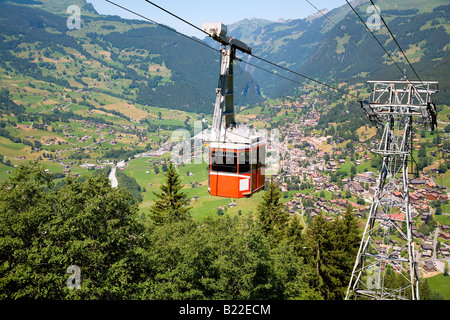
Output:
x=236 y=168
x=237 y=152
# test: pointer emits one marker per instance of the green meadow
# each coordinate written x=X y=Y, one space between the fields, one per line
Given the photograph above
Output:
x=440 y=284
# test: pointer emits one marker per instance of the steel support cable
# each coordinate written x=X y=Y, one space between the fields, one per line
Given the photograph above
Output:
x=384 y=22
x=279 y=75
x=259 y=58
x=396 y=42
x=162 y=25
x=335 y=24
x=381 y=45
x=275 y=74
x=304 y=76
x=206 y=45
x=179 y=18
x=398 y=45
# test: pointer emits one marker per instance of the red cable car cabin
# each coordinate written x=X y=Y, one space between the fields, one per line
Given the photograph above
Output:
x=237 y=152
x=236 y=170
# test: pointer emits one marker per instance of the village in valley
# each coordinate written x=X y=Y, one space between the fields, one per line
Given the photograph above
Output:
x=320 y=166
x=319 y=173
x=318 y=153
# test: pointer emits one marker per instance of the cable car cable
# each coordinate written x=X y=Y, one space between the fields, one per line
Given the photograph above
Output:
x=179 y=18
x=274 y=73
x=398 y=45
x=304 y=76
x=278 y=75
x=164 y=26
x=206 y=45
x=389 y=55
x=341 y=29
x=260 y=58
x=384 y=22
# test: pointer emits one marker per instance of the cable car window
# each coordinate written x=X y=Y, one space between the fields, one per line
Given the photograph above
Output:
x=244 y=161
x=262 y=157
x=224 y=161
x=254 y=158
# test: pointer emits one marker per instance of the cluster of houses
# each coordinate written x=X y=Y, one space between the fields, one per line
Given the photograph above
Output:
x=333 y=207
x=423 y=191
x=310 y=163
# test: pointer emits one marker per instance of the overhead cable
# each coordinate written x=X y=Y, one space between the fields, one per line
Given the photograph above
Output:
x=162 y=25
x=373 y=35
x=398 y=45
x=178 y=17
x=259 y=58
x=340 y=28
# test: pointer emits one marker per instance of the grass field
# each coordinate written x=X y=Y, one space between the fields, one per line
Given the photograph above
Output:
x=204 y=205
x=195 y=184
x=440 y=284
x=444 y=219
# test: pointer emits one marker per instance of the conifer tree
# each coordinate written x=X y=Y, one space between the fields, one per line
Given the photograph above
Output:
x=171 y=203
x=346 y=243
x=319 y=245
x=350 y=239
x=294 y=233
x=44 y=229
x=333 y=247
x=271 y=214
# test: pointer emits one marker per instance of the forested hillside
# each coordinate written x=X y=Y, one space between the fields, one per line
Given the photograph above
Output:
x=339 y=48
x=95 y=227
x=424 y=37
x=107 y=90
x=148 y=61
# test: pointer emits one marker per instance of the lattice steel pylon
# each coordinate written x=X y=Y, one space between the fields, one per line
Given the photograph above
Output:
x=387 y=244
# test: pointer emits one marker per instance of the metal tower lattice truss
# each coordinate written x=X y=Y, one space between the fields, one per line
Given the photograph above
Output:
x=387 y=245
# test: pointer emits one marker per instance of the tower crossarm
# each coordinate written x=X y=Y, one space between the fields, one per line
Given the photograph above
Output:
x=402 y=98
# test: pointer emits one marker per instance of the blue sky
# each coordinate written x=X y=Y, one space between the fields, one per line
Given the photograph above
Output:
x=227 y=12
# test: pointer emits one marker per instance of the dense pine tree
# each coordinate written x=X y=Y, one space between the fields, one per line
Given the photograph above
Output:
x=332 y=250
x=44 y=230
x=172 y=204
x=318 y=247
x=295 y=237
x=271 y=214
x=346 y=239
x=348 y=233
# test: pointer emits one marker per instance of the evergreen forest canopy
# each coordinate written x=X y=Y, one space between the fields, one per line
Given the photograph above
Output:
x=44 y=229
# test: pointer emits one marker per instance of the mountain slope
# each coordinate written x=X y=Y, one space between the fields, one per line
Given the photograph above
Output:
x=316 y=47
x=149 y=59
x=424 y=37
x=68 y=96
